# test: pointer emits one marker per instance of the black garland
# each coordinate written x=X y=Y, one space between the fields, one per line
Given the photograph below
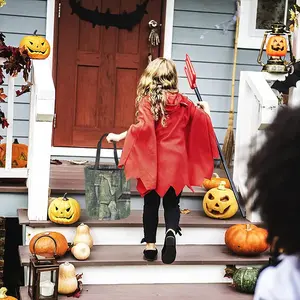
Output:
x=121 y=21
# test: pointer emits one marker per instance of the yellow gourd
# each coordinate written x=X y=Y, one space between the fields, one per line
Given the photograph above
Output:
x=67 y=281
x=83 y=235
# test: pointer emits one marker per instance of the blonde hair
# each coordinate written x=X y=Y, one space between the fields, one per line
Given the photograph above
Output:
x=159 y=77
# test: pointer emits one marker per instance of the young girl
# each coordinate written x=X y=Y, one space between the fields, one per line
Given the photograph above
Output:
x=171 y=146
x=275 y=172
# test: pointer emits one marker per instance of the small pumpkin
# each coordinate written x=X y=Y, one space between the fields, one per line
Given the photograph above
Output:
x=67 y=280
x=64 y=210
x=3 y=295
x=214 y=182
x=83 y=235
x=81 y=251
x=220 y=203
x=276 y=46
x=243 y=279
x=45 y=246
x=19 y=155
x=246 y=239
x=37 y=46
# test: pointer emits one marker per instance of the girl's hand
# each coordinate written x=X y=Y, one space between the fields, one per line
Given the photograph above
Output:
x=112 y=137
x=204 y=105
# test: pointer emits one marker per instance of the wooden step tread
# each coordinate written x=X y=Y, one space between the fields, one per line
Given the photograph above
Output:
x=212 y=291
x=132 y=255
x=193 y=219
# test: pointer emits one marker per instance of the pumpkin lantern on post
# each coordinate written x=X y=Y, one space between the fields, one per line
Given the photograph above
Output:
x=43 y=275
x=276 y=49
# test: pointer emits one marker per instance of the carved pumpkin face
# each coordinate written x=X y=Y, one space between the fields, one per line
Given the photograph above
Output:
x=64 y=210
x=276 y=46
x=37 y=46
x=220 y=203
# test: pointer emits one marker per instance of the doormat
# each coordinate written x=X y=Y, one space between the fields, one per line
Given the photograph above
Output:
x=121 y=21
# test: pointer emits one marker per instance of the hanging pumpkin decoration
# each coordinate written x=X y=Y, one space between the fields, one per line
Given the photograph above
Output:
x=246 y=239
x=3 y=295
x=37 y=46
x=220 y=203
x=276 y=46
x=19 y=155
x=43 y=244
x=214 y=182
x=64 y=210
x=243 y=279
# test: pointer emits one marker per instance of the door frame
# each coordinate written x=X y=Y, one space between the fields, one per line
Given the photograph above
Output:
x=51 y=36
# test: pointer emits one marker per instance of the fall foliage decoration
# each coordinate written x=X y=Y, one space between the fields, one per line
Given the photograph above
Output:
x=214 y=182
x=122 y=21
x=19 y=155
x=64 y=210
x=220 y=203
x=246 y=239
x=37 y=46
x=45 y=245
x=276 y=46
x=3 y=295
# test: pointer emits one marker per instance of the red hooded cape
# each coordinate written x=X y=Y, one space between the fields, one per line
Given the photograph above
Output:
x=178 y=155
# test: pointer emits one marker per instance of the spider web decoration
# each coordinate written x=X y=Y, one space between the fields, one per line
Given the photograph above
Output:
x=121 y=21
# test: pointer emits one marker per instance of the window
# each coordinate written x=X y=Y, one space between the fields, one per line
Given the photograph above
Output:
x=257 y=16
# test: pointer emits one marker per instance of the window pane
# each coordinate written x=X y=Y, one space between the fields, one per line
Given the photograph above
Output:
x=271 y=11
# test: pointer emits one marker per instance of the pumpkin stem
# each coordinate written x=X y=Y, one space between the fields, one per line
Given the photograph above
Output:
x=35 y=32
x=3 y=292
x=65 y=197
x=215 y=175
x=230 y=270
x=221 y=186
x=16 y=141
x=248 y=227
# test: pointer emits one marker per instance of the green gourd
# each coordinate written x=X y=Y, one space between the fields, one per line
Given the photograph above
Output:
x=244 y=279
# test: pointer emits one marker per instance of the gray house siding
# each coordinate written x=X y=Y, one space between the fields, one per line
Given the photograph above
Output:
x=17 y=19
x=212 y=55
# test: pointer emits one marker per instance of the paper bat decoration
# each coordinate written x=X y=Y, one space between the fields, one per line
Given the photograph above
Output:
x=121 y=21
x=290 y=81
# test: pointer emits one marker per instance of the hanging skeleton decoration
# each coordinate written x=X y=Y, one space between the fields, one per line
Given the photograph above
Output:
x=121 y=21
x=153 y=39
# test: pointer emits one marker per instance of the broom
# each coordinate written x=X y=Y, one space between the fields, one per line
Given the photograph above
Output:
x=228 y=146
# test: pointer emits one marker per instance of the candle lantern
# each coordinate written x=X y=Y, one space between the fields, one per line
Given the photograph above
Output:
x=43 y=276
x=276 y=49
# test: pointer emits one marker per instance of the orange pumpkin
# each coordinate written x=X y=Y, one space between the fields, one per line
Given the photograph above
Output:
x=19 y=155
x=276 y=46
x=246 y=239
x=214 y=182
x=45 y=245
x=3 y=295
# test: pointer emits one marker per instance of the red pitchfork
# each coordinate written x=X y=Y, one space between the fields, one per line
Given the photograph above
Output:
x=191 y=76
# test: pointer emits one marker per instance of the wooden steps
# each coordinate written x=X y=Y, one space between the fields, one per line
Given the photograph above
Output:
x=212 y=291
x=117 y=255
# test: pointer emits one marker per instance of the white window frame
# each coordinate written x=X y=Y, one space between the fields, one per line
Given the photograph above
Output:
x=249 y=36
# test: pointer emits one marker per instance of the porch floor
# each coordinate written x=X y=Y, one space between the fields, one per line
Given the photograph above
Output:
x=70 y=178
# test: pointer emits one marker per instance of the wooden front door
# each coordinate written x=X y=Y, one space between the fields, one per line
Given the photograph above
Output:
x=97 y=71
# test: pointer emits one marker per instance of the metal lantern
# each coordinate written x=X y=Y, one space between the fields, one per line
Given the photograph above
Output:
x=276 y=49
x=43 y=276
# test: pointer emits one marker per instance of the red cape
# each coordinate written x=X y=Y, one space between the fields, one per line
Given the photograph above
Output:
x=178 y=155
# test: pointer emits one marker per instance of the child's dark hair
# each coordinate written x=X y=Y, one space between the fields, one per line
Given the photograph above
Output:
x=275 y=171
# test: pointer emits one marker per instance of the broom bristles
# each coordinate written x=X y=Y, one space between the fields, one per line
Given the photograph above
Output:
x=228 y=147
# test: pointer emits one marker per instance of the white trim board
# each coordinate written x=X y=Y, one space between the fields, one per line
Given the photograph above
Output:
x=168 y=37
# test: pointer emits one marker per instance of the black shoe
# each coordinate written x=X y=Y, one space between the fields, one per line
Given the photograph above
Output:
x=168 y=253
x=150 y=254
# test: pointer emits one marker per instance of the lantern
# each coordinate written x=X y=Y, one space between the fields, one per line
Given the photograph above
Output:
x=276 y=49
x=43 y=276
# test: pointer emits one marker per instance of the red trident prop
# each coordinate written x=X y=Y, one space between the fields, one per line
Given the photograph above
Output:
x=191 y=76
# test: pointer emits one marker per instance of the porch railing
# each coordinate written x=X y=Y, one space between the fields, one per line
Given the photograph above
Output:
x=257 y=107
x=39 y=140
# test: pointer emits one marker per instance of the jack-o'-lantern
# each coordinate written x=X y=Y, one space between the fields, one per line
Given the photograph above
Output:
x=64 y=210
x=220 y=203
x=37 y=46
x=19 y=155
x=276 y=46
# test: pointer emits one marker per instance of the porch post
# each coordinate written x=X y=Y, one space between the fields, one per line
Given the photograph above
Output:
x=40 y=138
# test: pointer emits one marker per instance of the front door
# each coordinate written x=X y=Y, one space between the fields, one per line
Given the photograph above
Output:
x=97 y=72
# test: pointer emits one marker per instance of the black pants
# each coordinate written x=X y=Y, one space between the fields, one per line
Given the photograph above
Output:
x=150 y=215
